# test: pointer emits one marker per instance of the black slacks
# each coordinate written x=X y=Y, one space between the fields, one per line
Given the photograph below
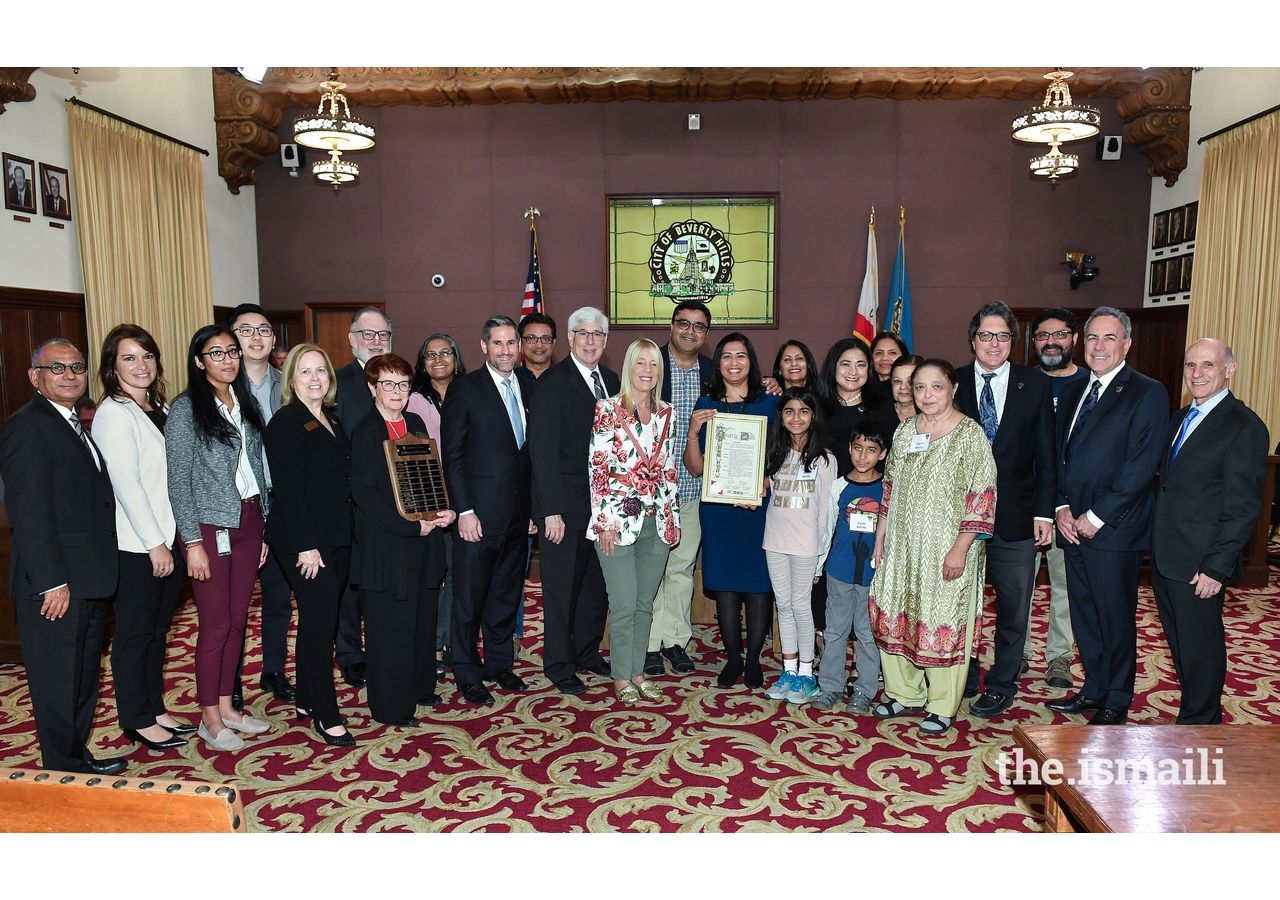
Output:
x=400 y=659
x=1198 y=644
x=144 y=609
x=1103 y=585
x=318 y=601
x=1011 y=569
x=62 y=658
x=575 y=604
x=488 y=584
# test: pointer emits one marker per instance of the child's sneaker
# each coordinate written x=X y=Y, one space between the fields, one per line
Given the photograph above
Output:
x=803 y=689
x=780 y=688
x=859 y=704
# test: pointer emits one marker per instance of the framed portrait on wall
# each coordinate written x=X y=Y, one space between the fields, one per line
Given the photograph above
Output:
x=1172 y=275
x=1185 y=285
x=1156 y=287
x=19 y=183
x=719 y=249
x=1175 y=226
x=1159 y=230
x=1191 y=212
x=55 y=191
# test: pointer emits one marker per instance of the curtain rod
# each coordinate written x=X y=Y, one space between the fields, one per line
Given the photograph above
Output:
x=160 y=134
x=1265 y=112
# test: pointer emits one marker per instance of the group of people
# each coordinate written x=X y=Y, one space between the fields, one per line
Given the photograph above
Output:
x=894 y=487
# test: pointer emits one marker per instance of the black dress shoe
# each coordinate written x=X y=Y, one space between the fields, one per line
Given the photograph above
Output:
x=509 y=681
x=346 y=739
x=237 y=697
x=354 y=674
x=1074 y=704
x=182 y=728
x=571 y=685
x=1106 y=716
x=478 y=694
x=278 y=684
x=991 y=704
x=653 y=664
x=679 y=660
x=601 y=668
x=112 y=766
x=753 y=676
x=406 y=722
x=429 y=700
x=165 y=744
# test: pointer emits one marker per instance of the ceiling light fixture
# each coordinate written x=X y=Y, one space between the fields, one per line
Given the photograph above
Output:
x=1057 y=119
x=333 y=129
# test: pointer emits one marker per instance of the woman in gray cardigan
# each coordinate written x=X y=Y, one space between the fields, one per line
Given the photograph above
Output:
x=213 y=442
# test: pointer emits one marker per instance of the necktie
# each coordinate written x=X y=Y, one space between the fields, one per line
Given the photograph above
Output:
x=1182 y=432
x=987 y=409
x=595 y=378
x=1087 y=407
x=513 y=411
x=84 y=439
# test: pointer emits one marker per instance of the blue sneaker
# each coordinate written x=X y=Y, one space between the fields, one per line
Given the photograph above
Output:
x=803 y=689
x=782 y=687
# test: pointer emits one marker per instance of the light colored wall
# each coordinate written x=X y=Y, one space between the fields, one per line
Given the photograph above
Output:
x=177 y=102
x=1219 y=97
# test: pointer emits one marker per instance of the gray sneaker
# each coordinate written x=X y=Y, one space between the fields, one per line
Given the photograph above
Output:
x=825 y=701
x=859 y=703
x=1059 y=674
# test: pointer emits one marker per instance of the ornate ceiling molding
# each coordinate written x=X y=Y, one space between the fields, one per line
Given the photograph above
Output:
x=14 y=87
x=1152 y=102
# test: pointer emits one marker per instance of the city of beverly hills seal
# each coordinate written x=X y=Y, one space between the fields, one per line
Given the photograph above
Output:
x=691 y=260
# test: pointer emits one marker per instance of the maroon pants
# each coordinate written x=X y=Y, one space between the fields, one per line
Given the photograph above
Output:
x=222 y=604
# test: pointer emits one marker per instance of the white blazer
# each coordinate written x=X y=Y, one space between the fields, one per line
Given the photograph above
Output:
x=134 y=450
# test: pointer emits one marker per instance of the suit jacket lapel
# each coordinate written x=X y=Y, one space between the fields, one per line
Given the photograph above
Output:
x=1106 y=399
x=492 y=389
x=1203 y=430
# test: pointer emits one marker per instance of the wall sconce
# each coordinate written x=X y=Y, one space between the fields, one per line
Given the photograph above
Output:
x=1082 y=267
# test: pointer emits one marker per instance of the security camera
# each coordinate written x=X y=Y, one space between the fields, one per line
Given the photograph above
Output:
x=437 y=281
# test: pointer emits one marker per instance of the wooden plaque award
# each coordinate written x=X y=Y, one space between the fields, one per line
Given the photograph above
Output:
x=417 y=478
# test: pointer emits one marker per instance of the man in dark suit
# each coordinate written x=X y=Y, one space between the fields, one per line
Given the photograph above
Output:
x=64 y=563
x=1111 y=434
x=18 y=188
x=486 y=467
x=1012 y=403
x=1208 y=502
x=54 y=202
x=370 y=336
x=574 y=601
x=686 y=376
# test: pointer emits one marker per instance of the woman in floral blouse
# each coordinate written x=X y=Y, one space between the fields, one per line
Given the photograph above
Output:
x=635 y=511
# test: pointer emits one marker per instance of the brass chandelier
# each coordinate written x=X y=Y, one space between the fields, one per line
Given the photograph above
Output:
x=334 y=130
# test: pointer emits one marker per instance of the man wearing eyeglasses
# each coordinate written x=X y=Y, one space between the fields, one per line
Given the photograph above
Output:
x=63 y=565
x=561 y=414
x=686 y=377
x=1053 y=334
x=370 y=336
x=257 y=339
x=537 y=342
x=1012 y=404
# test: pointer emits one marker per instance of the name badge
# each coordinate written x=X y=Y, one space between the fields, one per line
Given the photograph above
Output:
x=811 y=475
x=223 y=539
x=919 y=443
x=862 y=522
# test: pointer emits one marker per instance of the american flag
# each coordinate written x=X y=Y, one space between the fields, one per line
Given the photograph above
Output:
x=533 y=284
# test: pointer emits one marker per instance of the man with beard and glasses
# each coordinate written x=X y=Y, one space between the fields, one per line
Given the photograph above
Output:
x=1053 y=334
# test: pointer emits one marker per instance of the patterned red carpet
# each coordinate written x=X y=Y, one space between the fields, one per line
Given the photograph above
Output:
x=703 y=760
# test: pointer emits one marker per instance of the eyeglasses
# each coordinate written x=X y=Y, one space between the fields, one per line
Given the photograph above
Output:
x=370 y=335
x=1002 y=336
x=543 y=338
x=217 y=353
x=392 y=387
x=686 y=324
x=438 y=354
x=251 y=330
x=1056 y=335
x=59 y=368
x=593 y=335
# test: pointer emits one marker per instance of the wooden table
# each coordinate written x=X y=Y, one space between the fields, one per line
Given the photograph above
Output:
x=1117 y=778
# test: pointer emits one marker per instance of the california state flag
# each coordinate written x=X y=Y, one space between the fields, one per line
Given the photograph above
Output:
x=868 y=302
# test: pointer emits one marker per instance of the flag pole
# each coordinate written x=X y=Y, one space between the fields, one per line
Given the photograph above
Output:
x=533 y=299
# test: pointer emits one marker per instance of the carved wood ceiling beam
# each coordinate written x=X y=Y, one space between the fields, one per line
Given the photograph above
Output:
x=14 y=87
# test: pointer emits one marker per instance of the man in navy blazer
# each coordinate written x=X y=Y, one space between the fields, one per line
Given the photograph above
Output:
x=686 y=376
x=562 y=412
x=486 y=467
x=1208 y=502
x=1111 y=438
x=64 y=565
x=1013 y=404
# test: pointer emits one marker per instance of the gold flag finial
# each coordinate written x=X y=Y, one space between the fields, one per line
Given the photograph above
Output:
x=532 y=214
x=873 y=217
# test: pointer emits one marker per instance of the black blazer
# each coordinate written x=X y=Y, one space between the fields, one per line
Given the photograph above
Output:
x=485 y=471
x=1210 y=494
x=1111 y=464
x=560 y=419
x=706 y=371
x=311 y=481
x=62 y=507
x=389 y=555
x=1023 y=448
x=354 y=400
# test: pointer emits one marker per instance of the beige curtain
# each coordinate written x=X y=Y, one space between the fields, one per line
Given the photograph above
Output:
x=144 y=241
x=1235 y=282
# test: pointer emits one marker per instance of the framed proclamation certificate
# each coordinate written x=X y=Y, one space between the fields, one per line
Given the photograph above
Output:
x=733 y=464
